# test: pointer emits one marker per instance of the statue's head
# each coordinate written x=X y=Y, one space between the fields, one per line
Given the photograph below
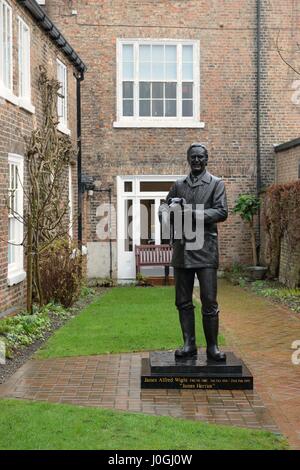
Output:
x=197 y=156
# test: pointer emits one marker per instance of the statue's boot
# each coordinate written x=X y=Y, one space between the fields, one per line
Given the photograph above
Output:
x=187 y=322
x=211 y=329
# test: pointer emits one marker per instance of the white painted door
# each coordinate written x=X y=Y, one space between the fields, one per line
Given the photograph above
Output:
x=138 y=199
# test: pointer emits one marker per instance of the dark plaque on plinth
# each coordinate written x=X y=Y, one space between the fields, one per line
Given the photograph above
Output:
x=163 y=370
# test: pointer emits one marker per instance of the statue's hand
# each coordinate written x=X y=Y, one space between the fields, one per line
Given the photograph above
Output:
x=175 y=201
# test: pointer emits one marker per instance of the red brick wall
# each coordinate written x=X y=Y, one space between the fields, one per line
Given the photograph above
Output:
x=287 y=165
x=227 y=34
x=15 y=123
x=280 y=111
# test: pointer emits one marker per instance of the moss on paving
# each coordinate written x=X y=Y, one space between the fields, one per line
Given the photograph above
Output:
x=235 y=298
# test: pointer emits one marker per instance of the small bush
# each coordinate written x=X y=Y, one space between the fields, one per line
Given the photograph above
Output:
x=236 y=274
x=61 y=277
x=23 y=330
x=143 y=281
x=86 y=291
x=106 y=282
x=55 y=310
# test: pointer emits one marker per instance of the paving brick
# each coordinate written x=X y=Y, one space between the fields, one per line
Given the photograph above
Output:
x=32 y=382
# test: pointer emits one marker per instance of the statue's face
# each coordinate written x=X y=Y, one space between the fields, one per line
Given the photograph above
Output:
x=197 y=160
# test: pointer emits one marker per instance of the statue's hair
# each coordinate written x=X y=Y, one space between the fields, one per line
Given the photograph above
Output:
x=197 y=144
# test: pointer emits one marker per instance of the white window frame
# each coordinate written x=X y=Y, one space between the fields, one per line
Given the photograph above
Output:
x=15 y=270
x=70 y=199
x=24 y=66
x=6 y=89
x=62 y=77
x=179 y=121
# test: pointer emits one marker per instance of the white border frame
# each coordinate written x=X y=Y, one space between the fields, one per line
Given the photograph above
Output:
x=25 y=100
x=70 y=200
x=177 y=122
x=15 y=271
x=7 y=92
x=63 y=125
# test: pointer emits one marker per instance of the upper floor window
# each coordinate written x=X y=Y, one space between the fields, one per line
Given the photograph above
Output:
x=6 y=63
x=70 y=200
x=15 y=219
x=62 y=100
x=158 y=83
x=24 y=65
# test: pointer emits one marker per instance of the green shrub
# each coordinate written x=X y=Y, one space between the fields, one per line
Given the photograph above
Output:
x=242 y=282
x=236 y=274
x=86 y=291
x=290 y=297
x=23 y=330
x=54 y=309
x=247 y=207
x=4 y=328
x=143 y=281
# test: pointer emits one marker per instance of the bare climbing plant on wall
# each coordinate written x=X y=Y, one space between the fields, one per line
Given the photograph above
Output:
x=47 y=157
x=281 y=217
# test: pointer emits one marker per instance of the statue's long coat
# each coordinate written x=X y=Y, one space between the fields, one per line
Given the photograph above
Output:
x=210 y=191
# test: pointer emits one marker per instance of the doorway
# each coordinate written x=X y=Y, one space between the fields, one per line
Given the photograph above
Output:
x=138 y=200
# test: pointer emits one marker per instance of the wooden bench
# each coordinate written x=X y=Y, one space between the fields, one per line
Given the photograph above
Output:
x=154 y=255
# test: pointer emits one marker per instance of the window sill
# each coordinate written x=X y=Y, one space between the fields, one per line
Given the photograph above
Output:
x=16 y=100
x=8 y=95
x=63 y=129
x=176 y=123
x=16 y=277
x=26 y=104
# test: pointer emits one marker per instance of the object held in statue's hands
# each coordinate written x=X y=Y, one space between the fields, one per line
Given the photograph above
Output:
x=174 y=201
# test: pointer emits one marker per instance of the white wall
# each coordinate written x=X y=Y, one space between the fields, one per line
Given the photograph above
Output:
x=98 y=259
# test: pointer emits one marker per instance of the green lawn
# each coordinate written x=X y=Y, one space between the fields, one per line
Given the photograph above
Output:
x=124 y=319
x=36 y=425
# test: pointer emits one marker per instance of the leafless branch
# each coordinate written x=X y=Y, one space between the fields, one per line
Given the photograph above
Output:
x=279 y=50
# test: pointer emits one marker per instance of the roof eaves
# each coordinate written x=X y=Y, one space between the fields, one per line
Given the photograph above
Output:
x=49 y=27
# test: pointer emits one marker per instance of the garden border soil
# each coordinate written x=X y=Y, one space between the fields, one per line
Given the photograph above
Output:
x=292 y=304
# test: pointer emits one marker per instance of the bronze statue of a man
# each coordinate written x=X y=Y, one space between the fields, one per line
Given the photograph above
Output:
x=199 y=187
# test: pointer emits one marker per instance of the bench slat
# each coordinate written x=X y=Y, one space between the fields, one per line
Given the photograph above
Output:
x=153 y=255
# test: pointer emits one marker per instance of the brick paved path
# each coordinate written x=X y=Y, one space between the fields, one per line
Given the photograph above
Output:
x=261 y=333
x=113 y=381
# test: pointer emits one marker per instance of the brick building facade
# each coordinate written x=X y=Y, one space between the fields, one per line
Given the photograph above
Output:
x=287 y=162
x=129 y=137
x=25 y=46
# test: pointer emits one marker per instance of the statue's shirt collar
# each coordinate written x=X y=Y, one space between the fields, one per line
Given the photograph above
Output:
x=193 y=181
